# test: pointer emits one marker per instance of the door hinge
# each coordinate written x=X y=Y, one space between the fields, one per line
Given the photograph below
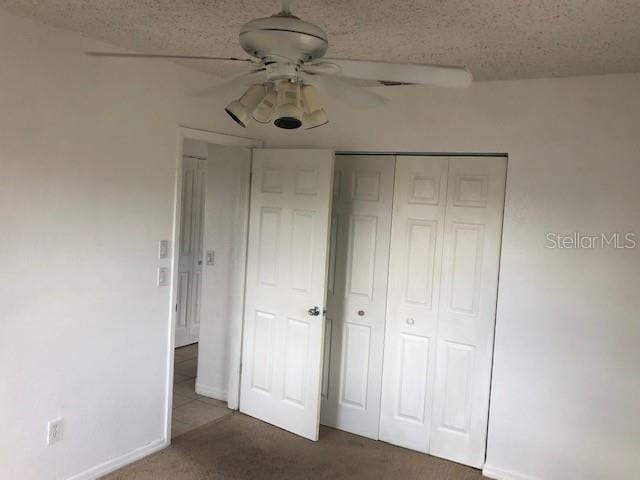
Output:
x=176 y=308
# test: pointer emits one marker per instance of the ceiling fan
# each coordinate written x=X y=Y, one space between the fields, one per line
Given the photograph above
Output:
x=288 y=64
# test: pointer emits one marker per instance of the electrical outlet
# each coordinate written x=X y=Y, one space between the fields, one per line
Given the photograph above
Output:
x=55 y=431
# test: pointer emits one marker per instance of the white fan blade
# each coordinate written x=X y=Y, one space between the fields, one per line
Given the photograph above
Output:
x=158 y=55
x=456 y=77
x=328 y=68
x=344 y=90
x=316 y=70
x=229 y=83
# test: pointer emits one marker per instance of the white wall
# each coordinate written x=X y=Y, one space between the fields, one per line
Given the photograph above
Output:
x=87 y=172
x=196 y=148
x=227 y=180
x=567 y=364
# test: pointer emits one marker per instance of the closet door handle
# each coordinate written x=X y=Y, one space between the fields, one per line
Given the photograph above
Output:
x=314 y=311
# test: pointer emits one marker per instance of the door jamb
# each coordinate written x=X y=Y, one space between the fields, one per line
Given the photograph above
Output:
x=239 y=259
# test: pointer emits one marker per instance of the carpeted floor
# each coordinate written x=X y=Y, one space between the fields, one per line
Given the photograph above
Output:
x=239 y=447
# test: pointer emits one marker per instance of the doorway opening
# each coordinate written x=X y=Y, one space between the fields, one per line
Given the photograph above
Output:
x=212 y=181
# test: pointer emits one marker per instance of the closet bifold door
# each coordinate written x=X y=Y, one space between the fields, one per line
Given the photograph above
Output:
x=470 y=264
x=357 y=293
x=443 y=276
x=412 y=301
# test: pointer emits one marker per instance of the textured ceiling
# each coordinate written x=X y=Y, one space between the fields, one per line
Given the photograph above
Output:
x=496 y=39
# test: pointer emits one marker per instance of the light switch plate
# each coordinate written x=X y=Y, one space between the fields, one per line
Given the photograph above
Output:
x=163 y=277
x=211 y=257
x=163 y=249
x=55 y=431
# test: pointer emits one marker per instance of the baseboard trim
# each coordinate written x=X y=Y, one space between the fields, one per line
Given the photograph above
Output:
x=499 y=474
x=211 y=392
x=121 y=461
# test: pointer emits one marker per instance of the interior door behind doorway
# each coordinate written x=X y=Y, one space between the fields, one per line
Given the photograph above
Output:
x=190 y=261
x=285 y=288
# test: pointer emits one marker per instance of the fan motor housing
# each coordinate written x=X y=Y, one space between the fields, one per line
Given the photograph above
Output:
x=283 y=37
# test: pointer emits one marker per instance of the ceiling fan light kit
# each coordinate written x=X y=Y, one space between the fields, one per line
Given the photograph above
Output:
x=314 y=115
x=288 y=113
x=264 y=110
x=289 y=52
x=293 y=105
x=242 y=109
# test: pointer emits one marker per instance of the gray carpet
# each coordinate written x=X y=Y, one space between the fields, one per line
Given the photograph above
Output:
x=239 y=447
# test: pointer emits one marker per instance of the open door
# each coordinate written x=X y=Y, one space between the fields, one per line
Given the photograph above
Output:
x=286 y=287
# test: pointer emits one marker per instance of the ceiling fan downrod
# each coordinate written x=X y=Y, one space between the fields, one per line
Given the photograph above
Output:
x=286 y=7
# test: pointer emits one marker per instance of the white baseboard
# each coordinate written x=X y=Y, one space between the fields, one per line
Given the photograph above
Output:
x=212 y=392
x=123 y=460
x=499 y=474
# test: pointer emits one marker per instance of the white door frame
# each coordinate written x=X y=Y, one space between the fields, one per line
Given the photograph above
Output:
x=237 y=305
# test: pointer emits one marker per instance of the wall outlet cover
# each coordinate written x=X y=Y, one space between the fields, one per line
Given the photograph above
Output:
x=55 y=430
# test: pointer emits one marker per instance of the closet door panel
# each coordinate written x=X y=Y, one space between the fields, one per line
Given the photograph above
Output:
x=466 y=324
x=412 y=308
x=357 y=293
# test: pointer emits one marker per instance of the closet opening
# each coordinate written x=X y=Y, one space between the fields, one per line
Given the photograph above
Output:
x=412 y=286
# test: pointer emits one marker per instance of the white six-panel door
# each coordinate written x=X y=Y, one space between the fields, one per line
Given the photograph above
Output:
x=286 y=276
x=440 y=317
x=470 y=264
x=357 y=293
x=412 y=307
x=190 y=260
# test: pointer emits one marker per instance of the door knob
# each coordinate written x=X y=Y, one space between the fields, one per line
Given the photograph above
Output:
x=314 y=311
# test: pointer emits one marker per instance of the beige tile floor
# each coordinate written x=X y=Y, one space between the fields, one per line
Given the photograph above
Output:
x=191 y=410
